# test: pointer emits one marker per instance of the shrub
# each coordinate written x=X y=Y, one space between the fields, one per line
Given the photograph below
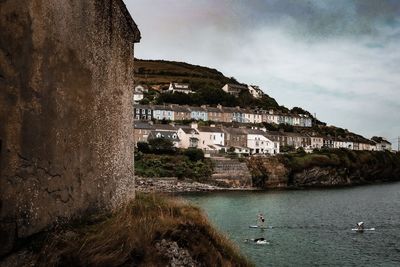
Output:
x=194 y=154
x=143 y=147
x=162 y=146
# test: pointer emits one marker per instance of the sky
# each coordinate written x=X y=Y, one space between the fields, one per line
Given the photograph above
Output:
x=339 y=59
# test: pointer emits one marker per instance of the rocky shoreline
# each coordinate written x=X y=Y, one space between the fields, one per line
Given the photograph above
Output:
x=173 y=185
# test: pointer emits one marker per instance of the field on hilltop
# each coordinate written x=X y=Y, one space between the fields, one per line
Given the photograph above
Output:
x=154 y=72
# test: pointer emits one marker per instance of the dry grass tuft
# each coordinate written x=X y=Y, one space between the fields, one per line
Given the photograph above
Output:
x=128 y=237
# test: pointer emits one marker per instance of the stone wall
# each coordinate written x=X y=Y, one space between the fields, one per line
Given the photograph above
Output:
x=231 y=172
x=66 y=145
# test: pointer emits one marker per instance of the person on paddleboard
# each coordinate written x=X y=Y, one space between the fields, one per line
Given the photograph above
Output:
x=261 y=219
x=360 y=226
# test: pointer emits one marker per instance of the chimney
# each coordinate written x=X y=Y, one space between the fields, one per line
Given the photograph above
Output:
x=194 y=125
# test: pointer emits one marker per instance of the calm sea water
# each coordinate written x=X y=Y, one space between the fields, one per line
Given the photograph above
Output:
x=312 y=227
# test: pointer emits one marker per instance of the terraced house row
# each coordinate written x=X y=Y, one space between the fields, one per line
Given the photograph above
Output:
x=218 y=114
x=216 y=138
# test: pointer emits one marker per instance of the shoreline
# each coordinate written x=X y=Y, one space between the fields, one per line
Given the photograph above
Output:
x=172 y=185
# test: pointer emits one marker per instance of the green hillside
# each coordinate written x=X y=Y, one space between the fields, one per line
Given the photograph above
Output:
x=206 y=82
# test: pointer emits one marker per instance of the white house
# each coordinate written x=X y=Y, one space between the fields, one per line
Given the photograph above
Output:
x=316 y=142
x=137 y=96
x=188 y=137
x=180 y=88
x=258 y=143
x=255 y=91
x=270 y=117
x=210 y=136
x=382 y=144
x=234 y=89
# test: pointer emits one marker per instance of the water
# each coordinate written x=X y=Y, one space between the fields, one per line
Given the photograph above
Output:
x=312 y=227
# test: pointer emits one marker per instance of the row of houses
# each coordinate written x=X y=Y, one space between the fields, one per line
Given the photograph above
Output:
x=233 y=89
x=249 y=141
x=218 y=114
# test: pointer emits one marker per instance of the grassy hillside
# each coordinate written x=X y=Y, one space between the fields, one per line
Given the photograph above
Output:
x=206 y=82
x=155 y=72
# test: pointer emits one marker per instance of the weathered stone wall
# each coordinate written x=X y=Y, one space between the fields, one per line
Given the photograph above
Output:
x=231 y=172
x=66 y=73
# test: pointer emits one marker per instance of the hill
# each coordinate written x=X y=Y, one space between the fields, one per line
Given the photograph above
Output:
x=205 y=82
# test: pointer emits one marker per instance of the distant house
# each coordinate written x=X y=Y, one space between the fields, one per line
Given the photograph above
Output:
x=317 y=142
x=137 y=96
x=305 y=120
x=234 y=89
x=382 y=144
x=215 y=114
x=255 y=91
x=181 y=112
x=328 y=142
x=198 y=113
x=270 y=117
x=235 y=137
x=211 y=138
x=258 y=143
x=163 y=113
x=227 y=113
x=238 y=115
x=141 y=88
x=179 y=88
x=143 y=112
x=142 y=131
x=189 y=137
x=169 y=135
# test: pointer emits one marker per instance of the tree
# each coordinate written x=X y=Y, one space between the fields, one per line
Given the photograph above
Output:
x=194 y=154
x=143 y=147
x=162 y=146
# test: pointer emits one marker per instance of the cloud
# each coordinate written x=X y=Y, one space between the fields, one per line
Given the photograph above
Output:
x=338 y=58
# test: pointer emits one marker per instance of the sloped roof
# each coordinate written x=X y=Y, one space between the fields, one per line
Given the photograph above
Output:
x=209 y=129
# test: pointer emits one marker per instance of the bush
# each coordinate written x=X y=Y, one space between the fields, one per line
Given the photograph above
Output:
x=194 y=154
x=161 y=146
x=143 y=147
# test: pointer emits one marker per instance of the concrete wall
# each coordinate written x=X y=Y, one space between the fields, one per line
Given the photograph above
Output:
x=66 y=118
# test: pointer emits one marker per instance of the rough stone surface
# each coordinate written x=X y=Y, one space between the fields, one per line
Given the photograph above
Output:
x=231 y=172
x=268 y=172
x=65 y=110
x=178 y=257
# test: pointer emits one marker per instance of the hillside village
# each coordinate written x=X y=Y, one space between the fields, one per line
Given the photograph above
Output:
x=243 y=131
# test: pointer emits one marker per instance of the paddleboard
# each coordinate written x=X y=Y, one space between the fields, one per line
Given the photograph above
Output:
x=260 y=227
x=368 y=229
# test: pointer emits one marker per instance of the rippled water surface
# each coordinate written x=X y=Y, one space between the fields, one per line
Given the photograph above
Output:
x=312 y=227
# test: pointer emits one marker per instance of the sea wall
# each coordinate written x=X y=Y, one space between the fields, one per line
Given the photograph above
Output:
x=231 y=172
x=324 y=169
x=66 y=143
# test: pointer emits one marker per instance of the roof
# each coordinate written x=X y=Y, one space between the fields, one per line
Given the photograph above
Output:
x=180 y=108
x=142 y=125
x=189 y=130
x=180 y=86
x=235 y=131
x=165 y=127
x=131 y=23
x=197 y=109
x=164 y=134
x=213 y=109
x=208 y=129
x=160 y=107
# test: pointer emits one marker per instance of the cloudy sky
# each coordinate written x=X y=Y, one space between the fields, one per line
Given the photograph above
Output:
x=339 y=59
